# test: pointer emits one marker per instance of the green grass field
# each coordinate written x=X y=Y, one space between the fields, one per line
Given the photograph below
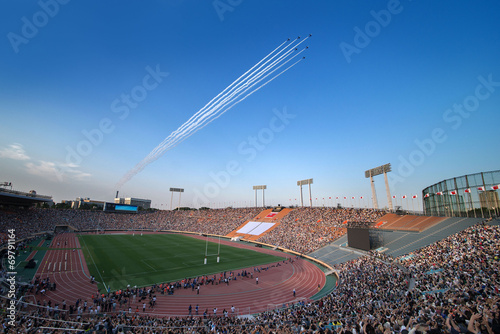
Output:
x=121 y=260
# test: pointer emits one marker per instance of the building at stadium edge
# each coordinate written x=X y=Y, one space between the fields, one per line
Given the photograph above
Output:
x=473 y=195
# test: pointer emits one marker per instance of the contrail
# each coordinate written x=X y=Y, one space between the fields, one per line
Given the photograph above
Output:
x=209 y=116
x=222 y=96
x=170 y=142
x=233 y=94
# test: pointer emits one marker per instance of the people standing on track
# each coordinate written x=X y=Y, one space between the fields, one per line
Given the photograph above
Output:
x=257 y=280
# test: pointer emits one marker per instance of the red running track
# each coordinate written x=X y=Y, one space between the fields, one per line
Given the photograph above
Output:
x=67 y=268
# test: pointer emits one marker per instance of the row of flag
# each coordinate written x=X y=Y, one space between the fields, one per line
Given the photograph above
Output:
x=345 y=197
x=467 y=191
x=360 y=197
x=439 y=193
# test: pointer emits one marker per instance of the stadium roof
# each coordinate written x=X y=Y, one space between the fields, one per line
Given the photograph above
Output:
x=18 y=198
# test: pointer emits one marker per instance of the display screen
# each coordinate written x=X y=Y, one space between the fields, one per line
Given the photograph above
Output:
x=358 y=238
x=121 y=207
x=112 y=207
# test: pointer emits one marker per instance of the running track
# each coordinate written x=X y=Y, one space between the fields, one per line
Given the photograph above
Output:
x=67 y=268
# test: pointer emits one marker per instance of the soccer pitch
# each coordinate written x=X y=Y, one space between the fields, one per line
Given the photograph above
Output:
x=120 y=260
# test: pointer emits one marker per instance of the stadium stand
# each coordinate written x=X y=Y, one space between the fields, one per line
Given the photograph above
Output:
x=413 y=223
x=263 y=223
x=442 y=279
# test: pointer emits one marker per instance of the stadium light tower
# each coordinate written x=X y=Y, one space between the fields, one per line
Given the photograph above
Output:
x=384 y=169
x=175 y=190
x=263 y=187
x=300 y=184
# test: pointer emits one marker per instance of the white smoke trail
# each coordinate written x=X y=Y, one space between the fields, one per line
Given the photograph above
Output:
x=206 y=119
x=223 y=102
x=220 y=96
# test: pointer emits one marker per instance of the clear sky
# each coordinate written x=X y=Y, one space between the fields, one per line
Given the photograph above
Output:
x=411 y=83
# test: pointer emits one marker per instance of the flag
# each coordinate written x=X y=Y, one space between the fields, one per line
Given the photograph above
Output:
x=404 y=196
x=361 y=197
x=426 y=195
x=345 y=197
x=353 y=197
x=439 y=193
x=467 y=190
x=480 y=188
x=329 y=198
x=414 y=196
x=496 y=187
x=337 y=198
x=453 y=192
x=394 y=196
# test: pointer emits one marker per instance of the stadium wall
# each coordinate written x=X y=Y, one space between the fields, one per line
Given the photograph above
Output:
x=473 y=195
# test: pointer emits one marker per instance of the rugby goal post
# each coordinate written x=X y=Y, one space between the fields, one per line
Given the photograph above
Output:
x=206 y=251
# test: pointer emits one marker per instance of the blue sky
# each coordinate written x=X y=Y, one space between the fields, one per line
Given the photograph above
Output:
x=382 y=82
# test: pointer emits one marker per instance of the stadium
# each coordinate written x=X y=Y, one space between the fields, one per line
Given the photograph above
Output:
x=246 y=269
x=197 y=167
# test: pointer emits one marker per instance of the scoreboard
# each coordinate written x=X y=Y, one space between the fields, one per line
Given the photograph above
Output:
x=120 y=208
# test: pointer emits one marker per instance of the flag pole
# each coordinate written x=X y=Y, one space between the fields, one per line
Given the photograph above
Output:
x=486 y=195
x=451 y=205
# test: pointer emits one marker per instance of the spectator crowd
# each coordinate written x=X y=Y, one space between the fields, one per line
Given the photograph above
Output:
x=450 y=286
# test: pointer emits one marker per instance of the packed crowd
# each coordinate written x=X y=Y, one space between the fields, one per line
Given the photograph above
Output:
x=303 y=230
x=217 y=221
x=307 y=229
x=451 y=286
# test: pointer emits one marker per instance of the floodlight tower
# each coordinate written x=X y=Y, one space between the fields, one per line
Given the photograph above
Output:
x=384 y=169
x=300 y=184
x=175 y=190
x=263 y=187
